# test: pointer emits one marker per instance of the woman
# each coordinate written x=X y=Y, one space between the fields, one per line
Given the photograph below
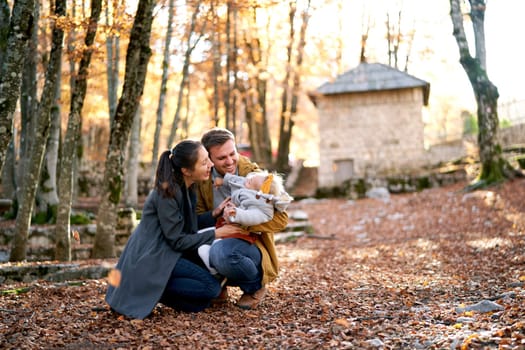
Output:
x=160 y=261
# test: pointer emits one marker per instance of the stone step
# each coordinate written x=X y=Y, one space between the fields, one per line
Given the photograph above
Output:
x=53 y=272
x=284 y=237
x=298 y=226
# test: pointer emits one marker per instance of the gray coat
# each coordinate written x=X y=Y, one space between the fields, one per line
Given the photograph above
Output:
x=167 y=229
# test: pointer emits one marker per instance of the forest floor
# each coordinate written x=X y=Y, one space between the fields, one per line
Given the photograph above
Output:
x=439 y=269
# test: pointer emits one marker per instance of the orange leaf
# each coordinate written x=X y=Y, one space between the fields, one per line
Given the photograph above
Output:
x=342 y=322
x=76 y=235
x=114 y=277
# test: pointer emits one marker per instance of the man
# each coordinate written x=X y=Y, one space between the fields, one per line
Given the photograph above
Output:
x=250 y=261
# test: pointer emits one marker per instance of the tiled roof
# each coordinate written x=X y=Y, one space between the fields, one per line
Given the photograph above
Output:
x=373 y=77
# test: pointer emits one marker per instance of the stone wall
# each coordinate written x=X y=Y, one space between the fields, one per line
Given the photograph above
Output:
x=513 y=135
x=91 y=174
x=420 y=172
x=41 y=239
x=379 y=132
x=468 y=146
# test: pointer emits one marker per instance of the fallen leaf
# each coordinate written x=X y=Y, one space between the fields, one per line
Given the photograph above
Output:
x=342 y=322
x=114 y=277
x=76 y=235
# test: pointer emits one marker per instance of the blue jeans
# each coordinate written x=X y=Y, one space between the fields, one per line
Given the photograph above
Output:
x=190 y=287
x=239 y=261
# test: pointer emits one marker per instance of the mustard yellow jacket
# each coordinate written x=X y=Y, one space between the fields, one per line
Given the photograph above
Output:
x=265 y=241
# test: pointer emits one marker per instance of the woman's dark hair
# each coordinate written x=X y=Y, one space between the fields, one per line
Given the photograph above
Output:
x=169 y=169
x=216 y=137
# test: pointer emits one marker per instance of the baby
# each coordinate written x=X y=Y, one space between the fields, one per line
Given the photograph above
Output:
x=254 y=197
x=253 y=201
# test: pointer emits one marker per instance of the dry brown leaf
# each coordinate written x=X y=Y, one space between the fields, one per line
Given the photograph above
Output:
x=342 y=322
x=364 y=287
x=76 y=235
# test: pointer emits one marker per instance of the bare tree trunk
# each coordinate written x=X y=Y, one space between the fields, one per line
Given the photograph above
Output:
x=190 y=46
x=48 y=194
x=5 y=13
x=364 y=40
x=8 y=171
x=133 y=161
x=394 y=39
x=494 y=168
x=20 y=31
x=112 y=54
x=227 y=84
x=477 y=16
x=235 y=70
x=255 y=101
x=163 y=91
x=23 y=219
x=216 y=49
x=410 y=40
x=186 y=120
x=28 y=104
x=137 y=58
x=285 y=98
x=8 y=175
x=287 y=118
x=62 y=235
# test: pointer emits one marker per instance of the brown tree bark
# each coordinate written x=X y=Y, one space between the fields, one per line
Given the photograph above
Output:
x=69 y=149
x=191 y=43
x=28 y=103
x=291 y=92
x=20 y=31
x=5 y=13
x=133 y=166
x=137 y=58
x=47 y=189
x=254 y=99
x=38 y=144
x=163 y=91
x=217 y=70
x=494 y=168
x=113 y=59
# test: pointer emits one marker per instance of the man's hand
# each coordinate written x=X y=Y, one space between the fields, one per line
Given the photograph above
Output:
x=229 y=229
x=218 y=181
x=219 y=210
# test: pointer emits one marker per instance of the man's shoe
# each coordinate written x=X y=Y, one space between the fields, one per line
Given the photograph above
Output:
x=222 y=298
x=250 y=301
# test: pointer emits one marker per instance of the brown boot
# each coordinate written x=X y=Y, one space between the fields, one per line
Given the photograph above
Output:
x=222 y=298
x=250 y=301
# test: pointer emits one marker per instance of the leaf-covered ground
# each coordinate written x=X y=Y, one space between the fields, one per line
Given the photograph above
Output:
x=440 y=269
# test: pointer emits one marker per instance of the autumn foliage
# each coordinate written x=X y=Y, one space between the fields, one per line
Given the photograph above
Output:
x=405 y=273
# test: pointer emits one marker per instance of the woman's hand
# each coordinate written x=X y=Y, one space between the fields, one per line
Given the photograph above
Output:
x=218 y=211
x=229 y=229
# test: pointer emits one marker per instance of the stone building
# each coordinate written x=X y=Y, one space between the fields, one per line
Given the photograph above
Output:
x=370 y=123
